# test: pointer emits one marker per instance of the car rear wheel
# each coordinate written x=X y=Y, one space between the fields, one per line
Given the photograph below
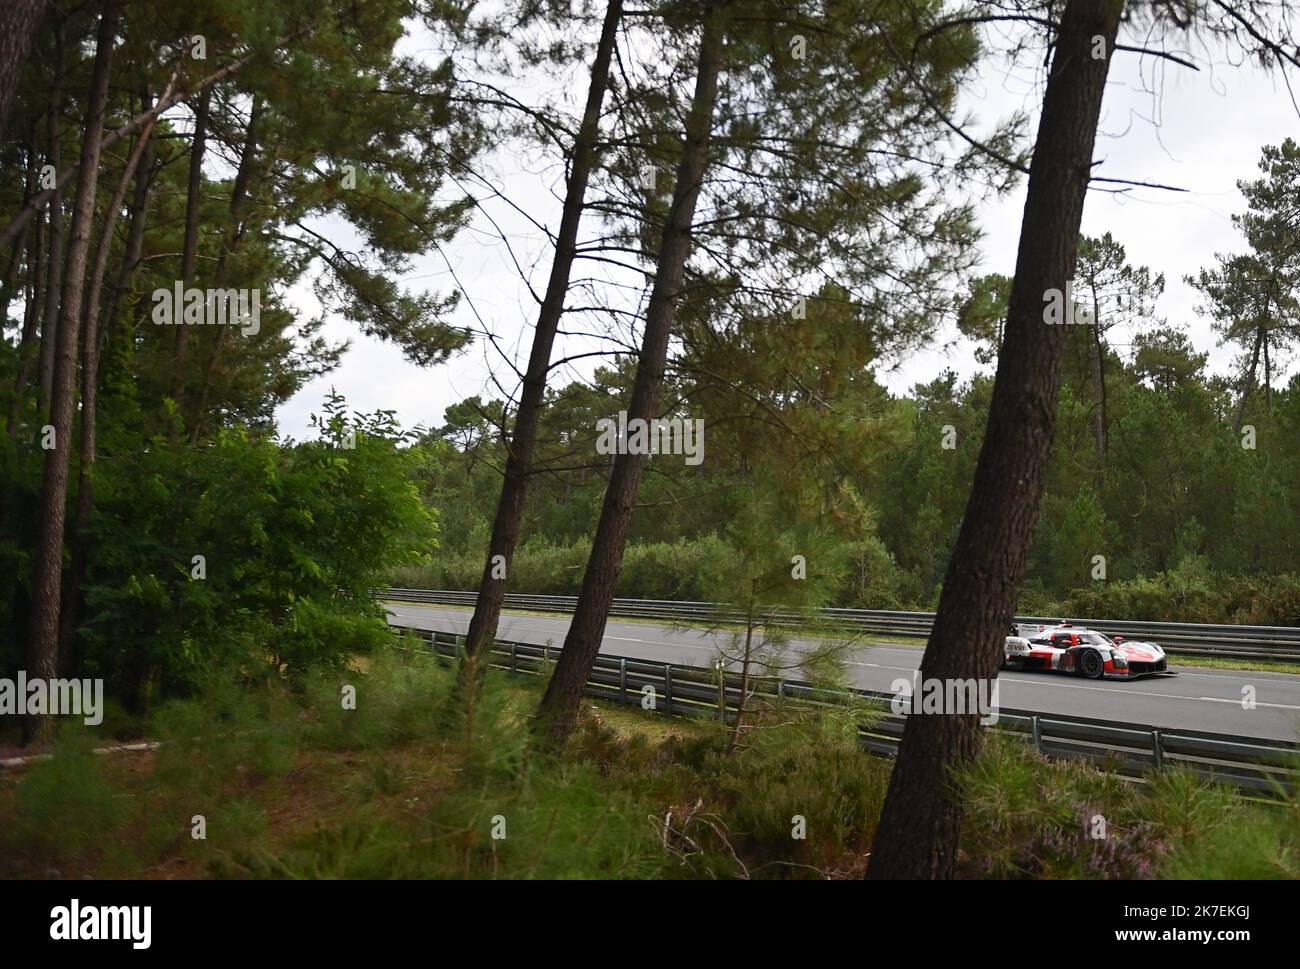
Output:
x=1091 y=664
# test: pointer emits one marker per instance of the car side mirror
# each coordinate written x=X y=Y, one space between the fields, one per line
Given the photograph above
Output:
x=1118 y=639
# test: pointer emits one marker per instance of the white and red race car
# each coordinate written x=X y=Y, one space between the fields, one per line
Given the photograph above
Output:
x=1065 y=648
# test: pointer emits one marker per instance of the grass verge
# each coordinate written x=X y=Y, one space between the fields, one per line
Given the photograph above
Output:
x=304 y=784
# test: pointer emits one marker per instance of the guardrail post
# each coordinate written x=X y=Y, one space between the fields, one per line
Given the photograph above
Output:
x=622 y=681
x=1158 y=748
x=780 y=689
x=1037 y=730
x=513 y=647
x=668 y=688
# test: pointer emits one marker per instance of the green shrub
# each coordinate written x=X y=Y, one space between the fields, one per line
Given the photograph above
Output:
x=1191 y=593
x=1029 y=817
x=232 y=734
x=1262 y=844
x=293 y=537
x=798 y=772
x=651 y=570
x=397 y=699
x=65 y=810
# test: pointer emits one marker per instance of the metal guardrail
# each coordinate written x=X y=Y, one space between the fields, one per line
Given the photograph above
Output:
x=1186 y=639
x=1126 y=748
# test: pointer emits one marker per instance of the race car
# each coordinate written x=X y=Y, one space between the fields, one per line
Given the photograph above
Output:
x=1065 y=648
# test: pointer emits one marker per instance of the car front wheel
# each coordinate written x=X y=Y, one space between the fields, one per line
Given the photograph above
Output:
x=1092 y=665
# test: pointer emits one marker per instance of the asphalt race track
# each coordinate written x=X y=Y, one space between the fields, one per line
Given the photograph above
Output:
x=1195 y=699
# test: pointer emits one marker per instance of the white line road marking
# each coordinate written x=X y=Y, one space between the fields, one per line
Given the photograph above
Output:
x=1274 y=706
x=1160 y=696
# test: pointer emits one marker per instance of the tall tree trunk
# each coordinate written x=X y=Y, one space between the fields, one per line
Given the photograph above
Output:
x=28 y=346
x=144 y=174
x=43 y=645
x=54 y=257
x=742 y=703
x=1248 y=384
x=19 y=22
x=229 y=243
x=30 y=243
x=1098 y=354
x=1268 y=376
x=70 y=618
x=559 y=705
x=190 y=253
x=20 y=248
x=9 y=284
x=921 y=820
x=509 y=515
x=1099 y=423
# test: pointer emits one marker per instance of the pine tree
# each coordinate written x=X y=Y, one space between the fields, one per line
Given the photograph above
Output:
x=921 y=818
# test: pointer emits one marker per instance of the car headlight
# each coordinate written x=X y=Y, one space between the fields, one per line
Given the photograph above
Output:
x=1118 y=659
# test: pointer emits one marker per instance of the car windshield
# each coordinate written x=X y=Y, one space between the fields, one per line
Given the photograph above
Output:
x=1094 y=639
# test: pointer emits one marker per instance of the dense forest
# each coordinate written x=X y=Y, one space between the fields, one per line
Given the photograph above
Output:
x=153 y=522
x=760 y=203
x=1190 y=521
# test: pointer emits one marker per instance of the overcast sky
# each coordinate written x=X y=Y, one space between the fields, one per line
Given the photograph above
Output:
x=1201 y=131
